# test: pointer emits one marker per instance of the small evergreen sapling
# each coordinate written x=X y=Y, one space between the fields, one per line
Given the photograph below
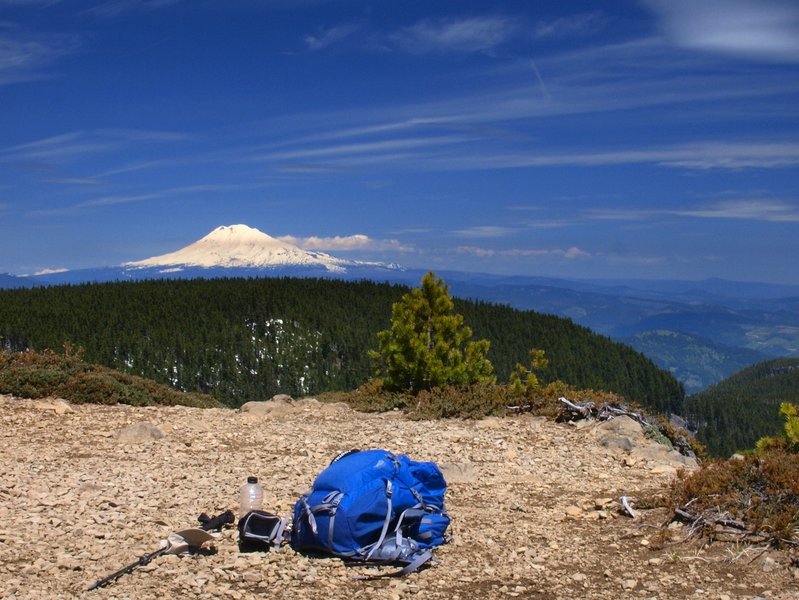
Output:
x=427 y=344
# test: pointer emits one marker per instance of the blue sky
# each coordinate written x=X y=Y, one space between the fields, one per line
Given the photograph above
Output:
x=651 y=138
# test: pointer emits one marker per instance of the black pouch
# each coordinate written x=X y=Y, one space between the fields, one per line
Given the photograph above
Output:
x=260 y=531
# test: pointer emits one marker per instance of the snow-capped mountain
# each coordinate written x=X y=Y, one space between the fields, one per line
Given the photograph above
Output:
x=228 y=251
x=240 y=246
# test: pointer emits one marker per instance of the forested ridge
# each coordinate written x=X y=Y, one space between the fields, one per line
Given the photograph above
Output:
x=733 y=414
x=247 y=339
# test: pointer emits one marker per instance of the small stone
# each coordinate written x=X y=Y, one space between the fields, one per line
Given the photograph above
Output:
x=58 y=405
x=139 y=432
x=629 y=584
x=663 y=470
x=458 y=472
x=573 y=511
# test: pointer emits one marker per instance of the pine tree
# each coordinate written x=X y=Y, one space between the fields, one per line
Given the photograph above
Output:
x=427 y=344
x=523 y=379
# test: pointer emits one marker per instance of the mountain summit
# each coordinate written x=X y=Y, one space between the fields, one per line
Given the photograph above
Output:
x=240 y=246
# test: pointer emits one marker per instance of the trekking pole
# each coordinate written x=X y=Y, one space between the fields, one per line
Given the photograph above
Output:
x=175 y=544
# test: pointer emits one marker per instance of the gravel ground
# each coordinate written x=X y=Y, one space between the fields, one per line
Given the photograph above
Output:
x=534 y=506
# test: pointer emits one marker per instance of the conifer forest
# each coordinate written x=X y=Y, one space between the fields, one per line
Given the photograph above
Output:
x=248 y=339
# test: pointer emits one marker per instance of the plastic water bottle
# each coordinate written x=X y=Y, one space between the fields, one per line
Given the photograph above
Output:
x=251 y=496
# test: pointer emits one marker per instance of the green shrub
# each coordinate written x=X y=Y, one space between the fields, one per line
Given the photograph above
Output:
x=31 y=382
x=542 y=400
x=523 y=379
x=43 y=374
x=760 y=491
x=680 y=439
x=93 y=388
x=470 y=402
x=790 y=438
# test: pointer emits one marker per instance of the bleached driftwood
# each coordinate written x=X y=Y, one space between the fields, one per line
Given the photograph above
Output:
x=720 y=525
x=604 y=412
x=575 y=411
x=625 y=502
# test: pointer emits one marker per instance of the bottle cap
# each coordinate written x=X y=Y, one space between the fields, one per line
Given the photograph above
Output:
x=252 y=479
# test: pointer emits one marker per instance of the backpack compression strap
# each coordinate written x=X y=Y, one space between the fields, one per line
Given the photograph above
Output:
x=386 y=522
x=411 y=567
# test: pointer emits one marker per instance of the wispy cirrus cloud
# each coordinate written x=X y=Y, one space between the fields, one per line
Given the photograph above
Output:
x=468 y=34
x=573 y=252
x=76 y=144
x=699 y=156
x=572 y=25
x=345 y=243
x=394 y=151
x=467 y=153
x=68 y=145
x=330 y=36
x=749 y=210
x=114 y=8
x=776 y=211
x=200 y=188
x=28 y=55
x=758 y=29
x=29 y=2
x=78 y=181
x=486 y=231
x=111 y=200
x=605 y=81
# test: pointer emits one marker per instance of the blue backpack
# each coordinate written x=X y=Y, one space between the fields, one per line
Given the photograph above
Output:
x=373 y=507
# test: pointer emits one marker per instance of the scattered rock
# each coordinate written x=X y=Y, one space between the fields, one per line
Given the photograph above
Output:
x=622 y=426
x=76 y=505
x=662 y=455
x=490 y=423
x=767 y=564
x=663 y=470
x=58 y=405
x=279 y=406
x=629 y=584
x=139 y=432
x=601 y=503
x=460 y=472
x=614 y=441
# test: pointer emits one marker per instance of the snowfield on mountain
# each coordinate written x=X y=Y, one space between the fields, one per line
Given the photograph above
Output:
x=234 y=246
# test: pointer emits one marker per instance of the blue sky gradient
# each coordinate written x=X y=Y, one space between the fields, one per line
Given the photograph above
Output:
x=651 y=139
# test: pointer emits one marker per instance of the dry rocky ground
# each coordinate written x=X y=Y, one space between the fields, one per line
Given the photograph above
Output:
x=534 y=505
